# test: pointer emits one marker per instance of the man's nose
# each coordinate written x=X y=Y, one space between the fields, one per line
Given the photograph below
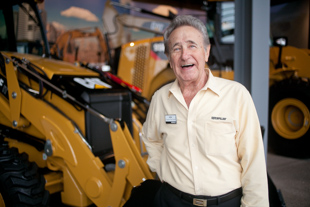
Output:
x=185 y=53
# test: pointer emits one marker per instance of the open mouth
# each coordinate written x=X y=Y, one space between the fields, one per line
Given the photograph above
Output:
x=187 y=65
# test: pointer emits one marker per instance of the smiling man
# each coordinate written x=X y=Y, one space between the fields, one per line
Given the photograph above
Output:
x=202 y=133
x=187 y=56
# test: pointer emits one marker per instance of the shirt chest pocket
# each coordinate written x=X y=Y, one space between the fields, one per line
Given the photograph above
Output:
x=219 y=137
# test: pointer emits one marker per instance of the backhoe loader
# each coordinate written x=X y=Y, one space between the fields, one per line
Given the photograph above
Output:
x=65 y=49
x=64 y=129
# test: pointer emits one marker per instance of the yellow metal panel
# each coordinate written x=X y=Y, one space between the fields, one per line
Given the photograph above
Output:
x=55 y=67
x=54 y=182
x=14 y=93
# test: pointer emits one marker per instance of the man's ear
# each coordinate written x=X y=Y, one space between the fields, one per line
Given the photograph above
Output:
x=207 y=54
x=168 y=57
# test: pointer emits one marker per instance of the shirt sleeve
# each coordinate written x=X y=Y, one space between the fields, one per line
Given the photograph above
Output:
x=151 y=138
x=252 y=157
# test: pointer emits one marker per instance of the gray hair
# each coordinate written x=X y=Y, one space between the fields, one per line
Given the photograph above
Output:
x=186 y=20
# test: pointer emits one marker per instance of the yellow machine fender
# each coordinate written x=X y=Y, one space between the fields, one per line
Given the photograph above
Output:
x=161 y=79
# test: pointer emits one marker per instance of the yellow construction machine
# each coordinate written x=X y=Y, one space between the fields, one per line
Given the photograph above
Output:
x=66 y=48
x=289 y=100
x=64 y=130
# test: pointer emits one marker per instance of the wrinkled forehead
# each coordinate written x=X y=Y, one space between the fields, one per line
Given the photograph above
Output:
x=185 y=34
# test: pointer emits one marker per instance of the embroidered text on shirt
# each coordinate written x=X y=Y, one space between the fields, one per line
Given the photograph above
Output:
x=218 y=118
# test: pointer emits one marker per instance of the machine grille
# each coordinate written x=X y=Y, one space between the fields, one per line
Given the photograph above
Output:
x=139 y=65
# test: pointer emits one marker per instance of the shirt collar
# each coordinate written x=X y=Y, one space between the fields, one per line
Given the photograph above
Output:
x=211 y=84
x=174 y=89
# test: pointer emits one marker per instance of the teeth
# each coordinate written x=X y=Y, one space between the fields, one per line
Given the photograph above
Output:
x=188 y=65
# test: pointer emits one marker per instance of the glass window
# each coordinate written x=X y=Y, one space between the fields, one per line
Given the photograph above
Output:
x=227 y=22
x=18 y=29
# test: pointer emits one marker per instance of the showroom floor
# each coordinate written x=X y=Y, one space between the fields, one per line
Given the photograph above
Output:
x=292 y=177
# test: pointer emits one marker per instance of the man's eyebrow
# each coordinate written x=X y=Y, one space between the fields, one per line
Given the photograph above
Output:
x=188 y=42
x=176 y=44
x=191 y=42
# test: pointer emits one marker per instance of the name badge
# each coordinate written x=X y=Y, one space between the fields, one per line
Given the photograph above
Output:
x=171 y=119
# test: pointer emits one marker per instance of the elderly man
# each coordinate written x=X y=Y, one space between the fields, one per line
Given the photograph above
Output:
x=202 y=133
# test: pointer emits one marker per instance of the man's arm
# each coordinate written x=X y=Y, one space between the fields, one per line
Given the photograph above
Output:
x=152 y=140
x=252 y=158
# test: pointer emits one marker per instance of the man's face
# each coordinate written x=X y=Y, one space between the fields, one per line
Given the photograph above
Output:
x=187 y=55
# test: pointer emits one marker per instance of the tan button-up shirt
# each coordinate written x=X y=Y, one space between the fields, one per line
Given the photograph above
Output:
x=211 y=147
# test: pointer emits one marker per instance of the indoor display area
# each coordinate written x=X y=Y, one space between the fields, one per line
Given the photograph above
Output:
x=144 y=103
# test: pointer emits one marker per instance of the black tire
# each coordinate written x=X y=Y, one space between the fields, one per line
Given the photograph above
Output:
x=20 y=182
x=289 y=135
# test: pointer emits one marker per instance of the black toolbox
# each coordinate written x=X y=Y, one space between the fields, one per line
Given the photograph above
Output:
x=112 y=104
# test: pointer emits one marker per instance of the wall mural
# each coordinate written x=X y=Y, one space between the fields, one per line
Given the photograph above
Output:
x=79 y=29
